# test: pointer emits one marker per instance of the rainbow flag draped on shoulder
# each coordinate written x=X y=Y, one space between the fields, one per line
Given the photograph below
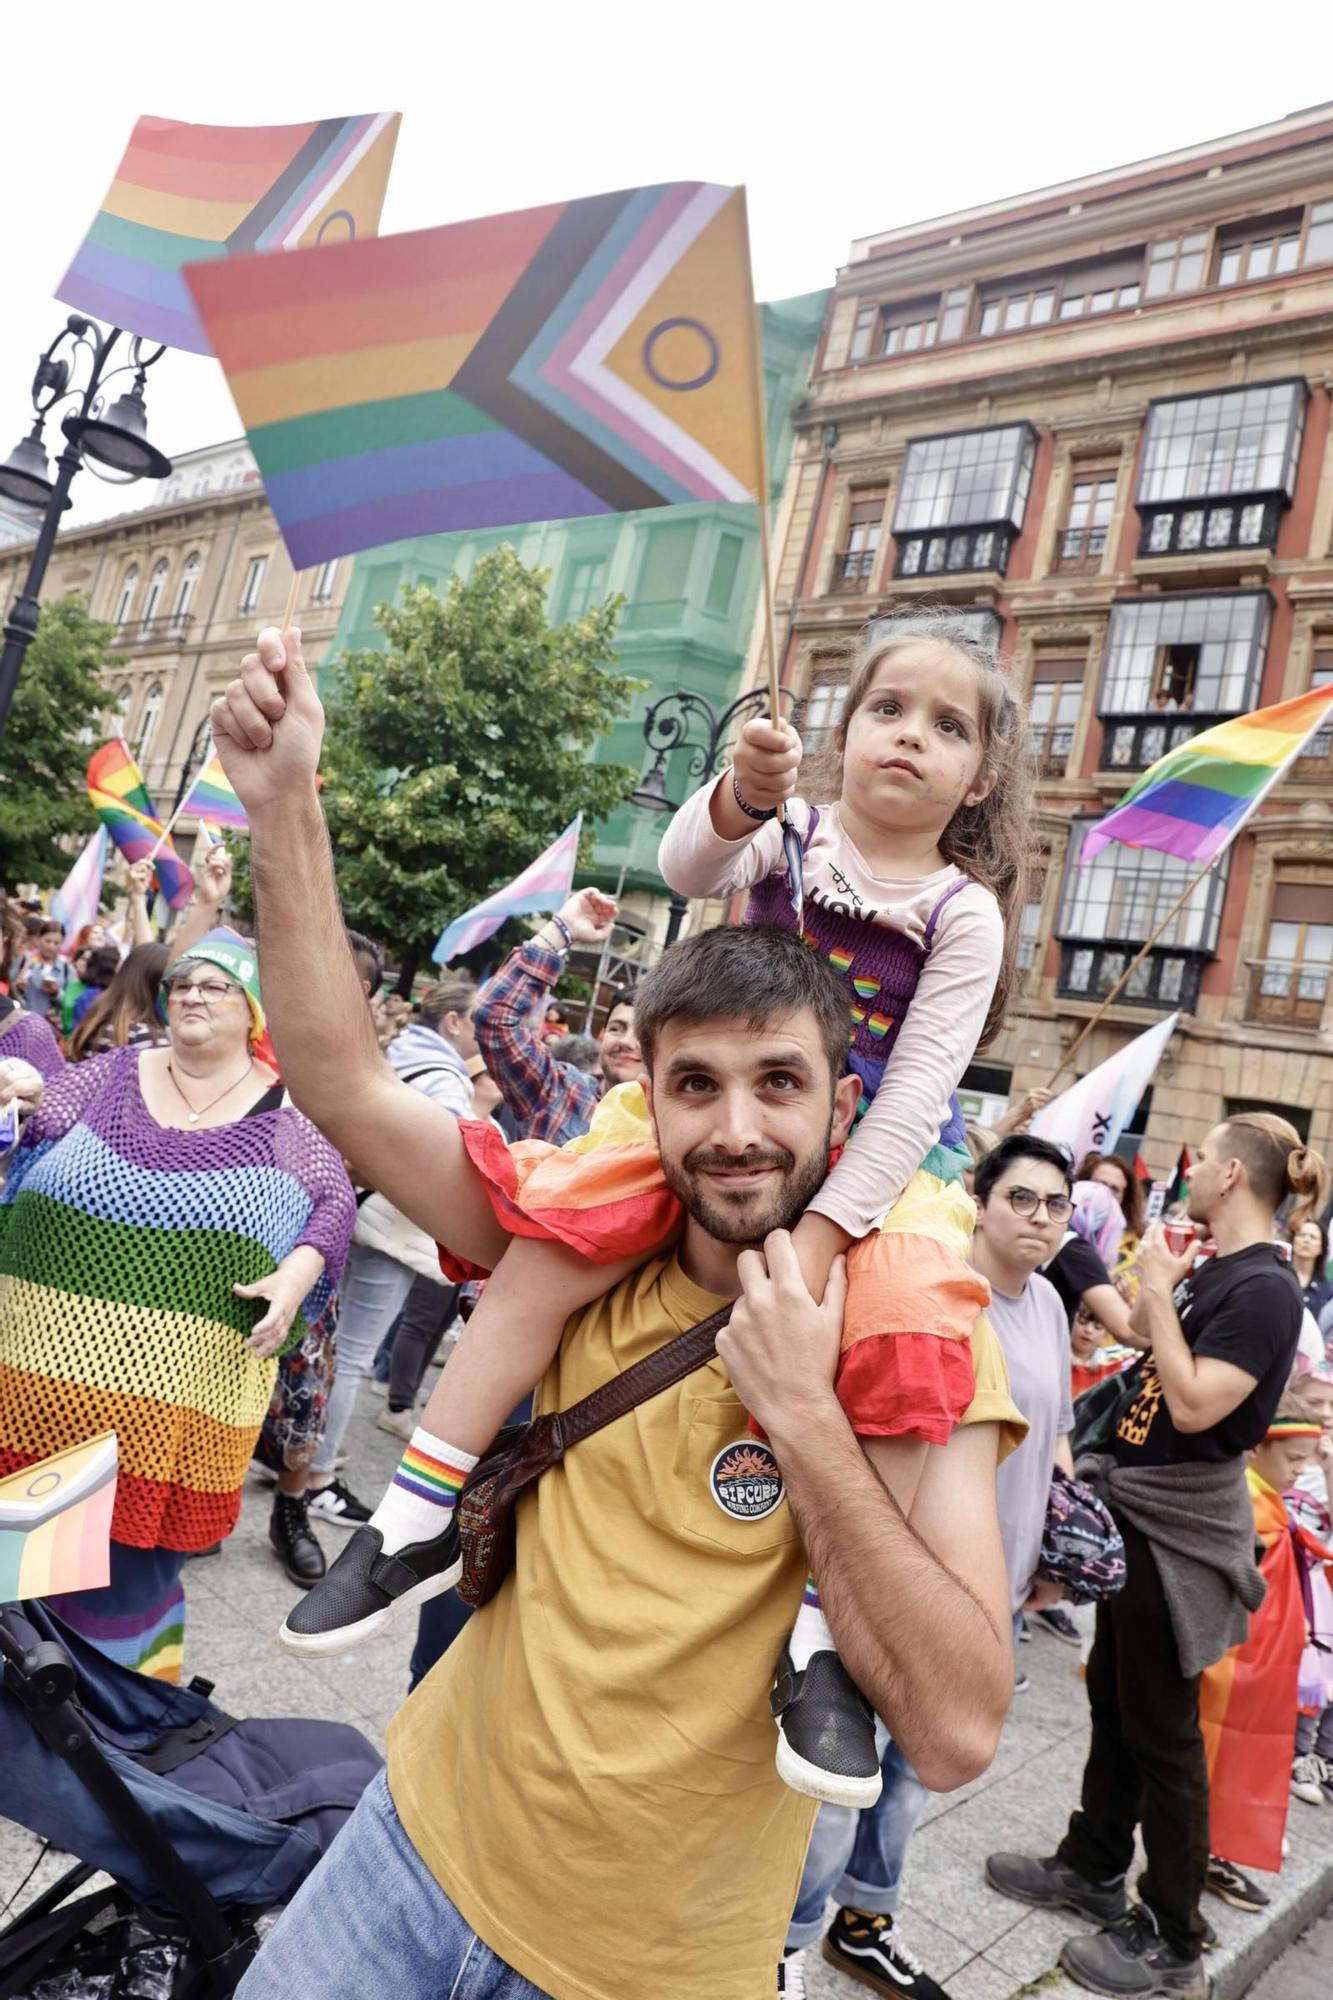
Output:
x=1194 y=801
x=120 y=800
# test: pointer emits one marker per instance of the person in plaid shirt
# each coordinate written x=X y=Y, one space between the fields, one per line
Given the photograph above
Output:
x=551 y=1100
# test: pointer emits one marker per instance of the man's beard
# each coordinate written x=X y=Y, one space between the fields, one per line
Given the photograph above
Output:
x=747 y=1216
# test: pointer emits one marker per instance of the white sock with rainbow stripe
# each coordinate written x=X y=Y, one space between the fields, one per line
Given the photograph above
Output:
x=810 y=1634
x=420 y=1503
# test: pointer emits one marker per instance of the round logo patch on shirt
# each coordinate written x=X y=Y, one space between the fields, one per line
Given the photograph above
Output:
x=745 y=1481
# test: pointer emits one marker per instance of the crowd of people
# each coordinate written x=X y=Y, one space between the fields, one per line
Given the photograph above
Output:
x=960 y=1384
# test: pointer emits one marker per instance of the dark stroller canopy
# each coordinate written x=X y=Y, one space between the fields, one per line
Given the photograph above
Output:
x=250 y=1814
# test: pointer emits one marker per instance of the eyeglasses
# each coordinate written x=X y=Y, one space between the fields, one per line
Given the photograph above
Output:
x=1026 y=1201
x=213 y=992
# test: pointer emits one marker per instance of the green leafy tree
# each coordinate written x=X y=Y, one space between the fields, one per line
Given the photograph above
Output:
x=454 y=758
x=52 y=726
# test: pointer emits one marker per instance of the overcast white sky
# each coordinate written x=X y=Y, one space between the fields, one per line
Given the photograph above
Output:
x=841 y=119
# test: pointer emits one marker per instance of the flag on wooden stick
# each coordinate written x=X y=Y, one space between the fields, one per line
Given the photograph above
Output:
x=588 y=357
x=121 y=801
x=544 y=885
x=1090 y=1116
x=212 y=797
x=184 y=194
x=1194 y=801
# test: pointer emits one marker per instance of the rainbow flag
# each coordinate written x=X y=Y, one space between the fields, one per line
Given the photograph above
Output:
x=1194 y=801
x=589 y=357
x=55 y=1522
x=187 y=193
x=212 y=797
x=120 y=800
x=544 y=885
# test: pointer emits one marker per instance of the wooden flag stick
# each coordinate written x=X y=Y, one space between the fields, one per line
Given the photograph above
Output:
x=1129 y=971
x=763 y=496
x=292 y=595
x=766 y=567
x=165 y=834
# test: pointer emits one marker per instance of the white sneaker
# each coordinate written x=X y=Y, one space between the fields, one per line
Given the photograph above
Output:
x=1307 y=1775
x=791 y=1978
x=399 y=1423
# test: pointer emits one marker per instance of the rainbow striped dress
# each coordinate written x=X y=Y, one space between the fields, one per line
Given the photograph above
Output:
x=120 y=1241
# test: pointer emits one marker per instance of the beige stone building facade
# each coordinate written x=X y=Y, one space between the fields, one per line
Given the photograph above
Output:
x=1095 y=420
x=187 y=580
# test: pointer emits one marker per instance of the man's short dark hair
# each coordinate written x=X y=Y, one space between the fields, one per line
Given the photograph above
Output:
x=755 y=973
x=370 y=959
x=1019 y=1146
x=624 y=996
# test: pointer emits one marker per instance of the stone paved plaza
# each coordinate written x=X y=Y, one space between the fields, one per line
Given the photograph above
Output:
x=979 y=1945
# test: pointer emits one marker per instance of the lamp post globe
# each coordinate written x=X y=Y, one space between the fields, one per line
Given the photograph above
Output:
x=114 y=437
x=25 y=476
x=688 y=721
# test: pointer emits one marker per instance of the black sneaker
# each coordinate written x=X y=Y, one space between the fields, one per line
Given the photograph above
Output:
x=364 y=1588
x=866 y=1947
x=1050 y=1885
x=297 y=1550
x=1021 y=1681
x=1133 y=1959
x=1057 y=1621
x=791 y=1978
x=1225 y=1880
x=338 y=1505
x=1023 y=1631
x=826 y=1733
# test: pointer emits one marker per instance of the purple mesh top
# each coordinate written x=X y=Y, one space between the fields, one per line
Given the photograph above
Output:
x=271 y=1176
x=30 y=1038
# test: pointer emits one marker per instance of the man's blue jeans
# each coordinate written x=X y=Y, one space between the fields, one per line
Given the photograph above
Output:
x=373 y=1920
x=857 y=1857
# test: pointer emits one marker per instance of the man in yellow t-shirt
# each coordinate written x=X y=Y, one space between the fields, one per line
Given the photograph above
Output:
x=581 y=1798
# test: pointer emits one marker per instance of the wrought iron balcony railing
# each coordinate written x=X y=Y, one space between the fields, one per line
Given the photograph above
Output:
x=1287 y=995
x=154 y=631
x=1131 y=742
x=1168 y=977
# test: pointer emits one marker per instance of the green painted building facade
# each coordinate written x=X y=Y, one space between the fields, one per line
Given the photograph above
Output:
x=689 y=575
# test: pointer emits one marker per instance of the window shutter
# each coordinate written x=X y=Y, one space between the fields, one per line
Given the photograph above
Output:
x=1303 y=903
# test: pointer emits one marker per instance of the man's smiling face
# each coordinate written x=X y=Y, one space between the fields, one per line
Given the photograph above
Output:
x=745 y=1118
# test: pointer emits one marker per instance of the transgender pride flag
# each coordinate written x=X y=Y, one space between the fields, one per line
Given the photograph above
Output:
x=79 y=896
x=544 y=885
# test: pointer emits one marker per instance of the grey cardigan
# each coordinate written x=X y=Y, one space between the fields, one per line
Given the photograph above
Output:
x=1197 y=1516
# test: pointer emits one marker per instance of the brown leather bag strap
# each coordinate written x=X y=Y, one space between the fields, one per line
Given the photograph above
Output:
x=662 y=1370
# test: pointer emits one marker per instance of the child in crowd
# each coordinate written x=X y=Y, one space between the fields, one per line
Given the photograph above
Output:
x=1094 y=1354
x=913 y=885
x=1248 y=1700
x=1310 y=1505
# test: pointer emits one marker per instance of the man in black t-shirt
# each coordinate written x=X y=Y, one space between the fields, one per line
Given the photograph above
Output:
x=1237 y=1309
x=1221 y=1340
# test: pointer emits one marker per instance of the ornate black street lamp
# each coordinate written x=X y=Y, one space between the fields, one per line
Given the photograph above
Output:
x=114 y=438
x=677 y=722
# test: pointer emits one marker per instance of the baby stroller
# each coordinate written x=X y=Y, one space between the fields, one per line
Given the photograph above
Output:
x=202 y=1822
